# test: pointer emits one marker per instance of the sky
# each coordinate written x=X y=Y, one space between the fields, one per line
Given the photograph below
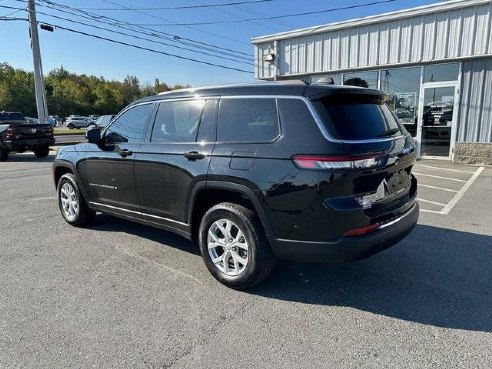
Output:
x=226 y=36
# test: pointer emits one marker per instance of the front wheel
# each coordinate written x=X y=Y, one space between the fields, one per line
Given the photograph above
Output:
x=70 y=126
x=71 y=202
x=234 y=246
x=42 y=151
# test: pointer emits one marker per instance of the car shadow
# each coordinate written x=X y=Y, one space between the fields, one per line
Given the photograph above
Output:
x=435 y=276
x=29 y=157
x=110 y=223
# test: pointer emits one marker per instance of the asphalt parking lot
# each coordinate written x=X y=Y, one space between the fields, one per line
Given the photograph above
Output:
x=119 y=294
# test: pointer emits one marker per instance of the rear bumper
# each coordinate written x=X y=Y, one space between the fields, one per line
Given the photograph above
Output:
x=28 y=144
x=347 y=249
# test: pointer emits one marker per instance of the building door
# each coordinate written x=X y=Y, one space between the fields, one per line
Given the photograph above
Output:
x=437 y=115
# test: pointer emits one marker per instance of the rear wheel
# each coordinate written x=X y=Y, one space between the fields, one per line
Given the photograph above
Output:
x=42 y=151
x=4 y=154
x=70 y=126
x=234 y=246
x=71 y=202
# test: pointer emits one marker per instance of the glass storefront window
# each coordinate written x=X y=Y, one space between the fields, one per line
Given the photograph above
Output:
x=361 y=79
x=441 y=72
x=403 y=86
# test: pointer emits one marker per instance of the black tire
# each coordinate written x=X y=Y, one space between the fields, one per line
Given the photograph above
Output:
x=83 y=215
x=260 y=258
x=41 y=151
x=70 y=126
x=4 y=154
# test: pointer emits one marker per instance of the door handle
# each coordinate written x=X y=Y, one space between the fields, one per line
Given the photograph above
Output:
x=125 y=152
x=193 y=155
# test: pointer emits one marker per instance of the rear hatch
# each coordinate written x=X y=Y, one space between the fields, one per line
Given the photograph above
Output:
x=379 y=153
x=26 y=131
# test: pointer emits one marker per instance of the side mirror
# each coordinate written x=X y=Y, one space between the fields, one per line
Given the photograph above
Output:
x=93 y=135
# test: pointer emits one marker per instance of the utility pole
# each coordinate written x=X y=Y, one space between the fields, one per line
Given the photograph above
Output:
x=38 y=67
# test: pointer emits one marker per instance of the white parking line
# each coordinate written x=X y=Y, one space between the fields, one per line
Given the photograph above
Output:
x=437 y=188
x=439 y=177
x=430 y=211
x=431 y=202
x=448 y=169
x=461 y=192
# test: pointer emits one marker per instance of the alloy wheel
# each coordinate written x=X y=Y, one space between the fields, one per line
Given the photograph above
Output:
x=227 y=247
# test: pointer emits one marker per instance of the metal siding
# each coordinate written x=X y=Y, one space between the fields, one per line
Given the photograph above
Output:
x=318 y=53
x=475 y=115
x=439 y=36
x=384 y=32
x=482 y=22
x=468 y=32
x=363 y=47
x=373 y=51
x=394 y=43
x=344 y=49
x=406 y=40
x=441 y=43
x=454 y=38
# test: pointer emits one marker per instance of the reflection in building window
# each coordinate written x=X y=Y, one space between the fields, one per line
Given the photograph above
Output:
x=403 y=85
x=361 y=79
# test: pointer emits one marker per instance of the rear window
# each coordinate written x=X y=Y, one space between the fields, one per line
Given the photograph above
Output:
x=11 y=116
x=357 y=117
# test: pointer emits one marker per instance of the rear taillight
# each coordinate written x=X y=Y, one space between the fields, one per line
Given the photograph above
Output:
x=9 y=133
x=335 y=162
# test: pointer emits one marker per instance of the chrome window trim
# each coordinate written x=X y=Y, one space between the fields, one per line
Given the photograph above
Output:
x=308 y=103
x=135 y=212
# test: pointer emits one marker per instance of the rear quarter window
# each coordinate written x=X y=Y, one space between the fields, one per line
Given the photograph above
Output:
x=357 y=117
x=248 y=120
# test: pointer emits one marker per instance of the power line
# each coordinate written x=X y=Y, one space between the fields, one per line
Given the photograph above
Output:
x=142 y=30
x=144 y=39
x=266 y=18
x=12 y=13
x=5 y=18
x=155 y=33
x=185 y=25
x=149 y=49
x=182 y=7
x=236 y=16
x=257 y=12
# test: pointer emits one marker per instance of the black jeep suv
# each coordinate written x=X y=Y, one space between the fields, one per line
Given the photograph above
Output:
x=253 y=172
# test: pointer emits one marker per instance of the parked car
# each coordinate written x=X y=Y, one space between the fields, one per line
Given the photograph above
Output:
x=55 y=120
x=19 y=135
x=252 y=172
x=78 y=122
x=93 y=116
x=102 y=121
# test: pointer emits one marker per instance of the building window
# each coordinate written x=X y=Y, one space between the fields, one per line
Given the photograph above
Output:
x=441 y=72
x=403 y=86
x=361 y=79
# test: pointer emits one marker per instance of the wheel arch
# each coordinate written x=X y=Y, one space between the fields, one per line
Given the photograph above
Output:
x=206 y=194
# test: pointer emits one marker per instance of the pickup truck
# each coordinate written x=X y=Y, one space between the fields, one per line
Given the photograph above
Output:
x=17 y=135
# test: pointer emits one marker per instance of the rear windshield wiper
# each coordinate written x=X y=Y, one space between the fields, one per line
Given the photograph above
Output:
x=389 y=132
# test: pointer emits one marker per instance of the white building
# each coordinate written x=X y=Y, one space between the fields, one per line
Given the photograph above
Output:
x=434 y=61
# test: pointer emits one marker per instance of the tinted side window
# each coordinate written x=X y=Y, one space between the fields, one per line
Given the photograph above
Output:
x=177 y=121
x=247 y=120
x=129 y=126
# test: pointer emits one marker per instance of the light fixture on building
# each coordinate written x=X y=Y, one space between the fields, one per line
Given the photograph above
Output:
x=269 y=57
